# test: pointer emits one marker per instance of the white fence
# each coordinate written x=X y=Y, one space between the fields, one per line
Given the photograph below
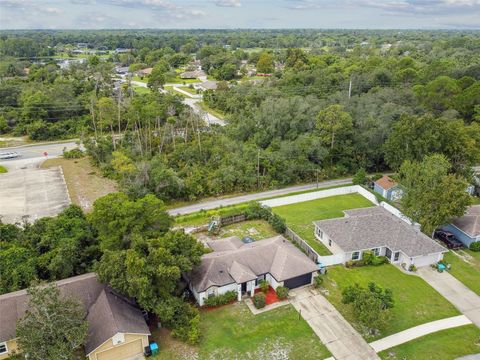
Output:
x=399 y=214
x=287 y=200
x=329 y=260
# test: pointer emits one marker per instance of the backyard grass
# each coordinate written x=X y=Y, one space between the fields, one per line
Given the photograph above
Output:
x=465 y=267
x=416 y=302
x=141 y=90
x=189 y=90
x=3 y=169
x=179 y=80
x=443 y=345
x=85 y=183
x=299 y=216
x=140 y=79
x=257 y=229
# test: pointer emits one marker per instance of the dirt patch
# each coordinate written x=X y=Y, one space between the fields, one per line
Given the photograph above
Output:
x=85 y=183
x=171 y=348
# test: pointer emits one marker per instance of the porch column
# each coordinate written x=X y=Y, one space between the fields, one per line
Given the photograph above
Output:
x=252 y=288
x=239 y=292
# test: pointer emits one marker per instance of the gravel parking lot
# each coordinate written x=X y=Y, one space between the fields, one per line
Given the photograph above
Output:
x=32 y=192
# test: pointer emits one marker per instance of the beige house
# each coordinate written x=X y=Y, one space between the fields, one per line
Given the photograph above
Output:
x=116 y=329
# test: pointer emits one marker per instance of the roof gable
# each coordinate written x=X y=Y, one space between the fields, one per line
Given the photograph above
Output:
x=386 y=182
x=470 y=222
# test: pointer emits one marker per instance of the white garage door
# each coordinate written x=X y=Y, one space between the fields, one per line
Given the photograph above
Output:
x=121 y=352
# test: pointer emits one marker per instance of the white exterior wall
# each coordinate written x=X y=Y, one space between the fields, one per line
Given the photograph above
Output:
x=200 y=297
x=273 y=283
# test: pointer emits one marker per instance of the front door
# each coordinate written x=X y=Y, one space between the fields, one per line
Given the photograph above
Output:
x=388 y=254
x=244 y=287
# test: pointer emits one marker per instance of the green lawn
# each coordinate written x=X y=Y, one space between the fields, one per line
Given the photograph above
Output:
x=141 y=89
x=443 y=345
x=3 y=169
x=233 y=332
x=189 y=90
x=416 y=302
x=466 y=268
x=219 y=114
x=300 y=216
x=179 y=80
x=257 y=229
x=140 y=79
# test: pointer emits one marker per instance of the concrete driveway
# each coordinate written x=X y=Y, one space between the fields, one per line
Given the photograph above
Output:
x=341 y=339
x=464 y=299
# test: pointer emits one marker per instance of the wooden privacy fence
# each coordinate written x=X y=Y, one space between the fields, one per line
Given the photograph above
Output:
x=232 y=219
x=312 y=254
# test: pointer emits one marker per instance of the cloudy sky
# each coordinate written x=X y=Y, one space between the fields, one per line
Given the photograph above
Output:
x=214 y=14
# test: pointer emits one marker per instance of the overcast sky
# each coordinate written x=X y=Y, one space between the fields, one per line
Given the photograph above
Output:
x=214 y=14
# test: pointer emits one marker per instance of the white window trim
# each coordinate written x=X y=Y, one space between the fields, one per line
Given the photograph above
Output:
x=376 y=251
x=353 y=255
x=6 y=347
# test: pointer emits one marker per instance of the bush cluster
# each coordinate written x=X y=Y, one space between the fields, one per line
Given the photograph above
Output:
x=368 y=258
x=475 y=246
x=259 y=300
x=264 y=285
x=282 y=292
x=73 y=154
x=222 y=299
x=256 y=211
x=318 y=281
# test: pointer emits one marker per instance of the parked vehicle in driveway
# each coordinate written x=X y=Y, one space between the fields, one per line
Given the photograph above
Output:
x=448 y=239
x=9 y=155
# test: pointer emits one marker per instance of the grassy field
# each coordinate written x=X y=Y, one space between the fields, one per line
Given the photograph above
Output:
x=466 y=268
x=257 y=229
x=415 y=301
x=179 y=80
x=300 y=216
x=219 y=114
x=3 y=169
x=443 y=345
x=141 y=89
x=189 y=90
x=140 y=79
x=84 y=182
x=233 y=332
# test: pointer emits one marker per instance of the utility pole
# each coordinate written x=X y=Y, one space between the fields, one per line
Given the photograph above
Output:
x=258 y=169
x=350 y=88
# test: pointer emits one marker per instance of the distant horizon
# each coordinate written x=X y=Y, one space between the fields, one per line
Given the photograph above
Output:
x=239 y=14
x=247 y=29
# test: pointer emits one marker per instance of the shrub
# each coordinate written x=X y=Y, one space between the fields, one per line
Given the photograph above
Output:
x=282 y=292
x=264 y=285
x=222 y=299
x=259 y=300
x=256 y=211
x=412 y=268
x=360 y=177
x=73 y=154
x=318 y=281
x=475 y=246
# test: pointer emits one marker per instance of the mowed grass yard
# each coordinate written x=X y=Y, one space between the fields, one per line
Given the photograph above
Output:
x=443 y=345
x=416 y=302
x=299 y=216
x=85 y=183
x=466 y=268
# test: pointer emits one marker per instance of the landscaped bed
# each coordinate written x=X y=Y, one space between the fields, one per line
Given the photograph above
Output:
x=233 y=332
x=443 y=345
x=466 y=268
x=416 y=302
x=270 y=296
x=299 y=216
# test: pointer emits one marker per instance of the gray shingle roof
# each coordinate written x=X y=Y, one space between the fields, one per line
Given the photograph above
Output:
x=374 y=227
x=470 y=222
x=276 y=256
x=106 y=311
x=226 y=244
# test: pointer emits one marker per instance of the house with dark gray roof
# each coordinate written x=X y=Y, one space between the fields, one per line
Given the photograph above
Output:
x=466 y=228
x=234 y=265
x=376 y=229
x=116 y=328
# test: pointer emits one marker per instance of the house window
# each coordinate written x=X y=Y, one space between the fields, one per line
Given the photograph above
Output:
x=356 y=255
x=211 y=292
x=376 y=251
x=258 y=279
x=396 y=256
x=320 y=233
x=329 y=242
x=3 y=348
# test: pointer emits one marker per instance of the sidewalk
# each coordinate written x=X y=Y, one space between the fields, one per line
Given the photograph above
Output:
x=334 y=331
x=419 y=331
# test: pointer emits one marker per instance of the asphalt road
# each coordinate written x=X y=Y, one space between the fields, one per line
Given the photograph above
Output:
x=37 y=151
x=213 y=204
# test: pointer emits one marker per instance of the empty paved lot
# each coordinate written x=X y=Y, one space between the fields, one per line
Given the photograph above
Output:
x=32 y=192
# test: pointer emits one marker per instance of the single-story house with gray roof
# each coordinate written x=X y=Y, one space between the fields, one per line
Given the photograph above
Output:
x=116 y=328
x=376 y=229
x=237 y=266
x=466 y=228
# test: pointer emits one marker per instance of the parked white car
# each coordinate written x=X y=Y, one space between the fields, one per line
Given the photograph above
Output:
x=9 y=155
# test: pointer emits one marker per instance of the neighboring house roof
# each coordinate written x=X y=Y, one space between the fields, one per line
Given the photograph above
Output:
x=209 y=85
x=386 y=182
x=106 y=311
x=230 y=243
x=146 y=71
x=470 y=222
x=192 y=74
x=375 y=227
x=276 y=256
x=110 y=315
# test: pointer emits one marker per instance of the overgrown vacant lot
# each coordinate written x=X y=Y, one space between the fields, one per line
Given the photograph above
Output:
x=415 y=301
x=443 y=345
x=84 y=182
x=300 y=216
x=232 y=332
x=257 y=229
x=466 y=268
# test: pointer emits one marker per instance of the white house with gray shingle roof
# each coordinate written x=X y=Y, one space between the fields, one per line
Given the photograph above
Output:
x=467 y=227
x=375 y=229
x=237 y=266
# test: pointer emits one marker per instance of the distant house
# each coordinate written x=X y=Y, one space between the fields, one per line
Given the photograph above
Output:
x=467 y=227
x=145 y=72
x=237 y=266
x=193 y=74
x=376 y=229
x=122 y=50
x=116 y=329
x=207 y=85
x=121 y=69
x=388 y=188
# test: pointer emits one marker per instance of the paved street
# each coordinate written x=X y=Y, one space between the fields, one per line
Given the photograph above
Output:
x=37 y=151
x=464 y=299
x=341 y=339
x=216 y=203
